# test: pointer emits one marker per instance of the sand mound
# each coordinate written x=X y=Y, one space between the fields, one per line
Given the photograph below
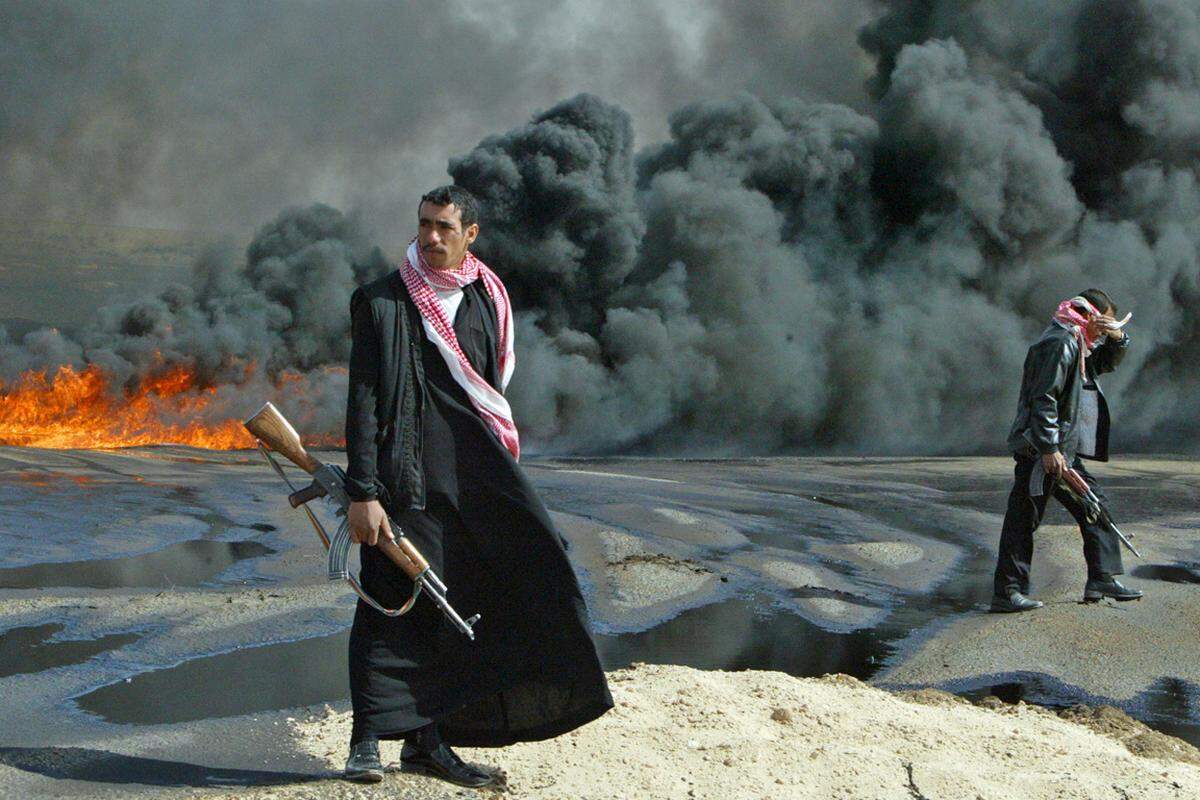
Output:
x=1137 y=737
x=683 y=733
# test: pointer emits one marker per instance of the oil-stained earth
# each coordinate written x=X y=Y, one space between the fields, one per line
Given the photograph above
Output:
x=165 y=620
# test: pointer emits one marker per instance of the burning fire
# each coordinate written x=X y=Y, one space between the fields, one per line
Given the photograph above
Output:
x=80 y=409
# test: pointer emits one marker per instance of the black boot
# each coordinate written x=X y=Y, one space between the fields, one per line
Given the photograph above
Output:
x=1014 y=601
x=363 y=765
x=444 y=763
x=1108 y=586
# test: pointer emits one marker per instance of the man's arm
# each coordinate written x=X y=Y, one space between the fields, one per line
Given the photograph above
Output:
x=1048 y=376
x=362 y=425
x=367 y=517
x=1108 y=355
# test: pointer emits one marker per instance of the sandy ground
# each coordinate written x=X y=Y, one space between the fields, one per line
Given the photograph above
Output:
x=878 y=566
x=683 y=733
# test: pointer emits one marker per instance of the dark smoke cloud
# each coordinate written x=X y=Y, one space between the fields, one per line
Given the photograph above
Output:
x=784 y=273
x=957 y=142
x=281 y=307
x=810 y=276
x=1118 y=82
x=560 y=191
x=757 y=317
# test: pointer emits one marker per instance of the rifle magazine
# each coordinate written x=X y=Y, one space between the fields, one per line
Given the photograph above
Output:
x=339 y=552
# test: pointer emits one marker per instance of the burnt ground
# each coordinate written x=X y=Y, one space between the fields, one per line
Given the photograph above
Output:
x=161 y=607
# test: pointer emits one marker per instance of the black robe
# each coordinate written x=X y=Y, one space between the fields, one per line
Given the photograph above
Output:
x=532 y=672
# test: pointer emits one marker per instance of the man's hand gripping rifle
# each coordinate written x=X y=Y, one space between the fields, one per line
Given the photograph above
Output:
x=1095 y=510
x=275 y=433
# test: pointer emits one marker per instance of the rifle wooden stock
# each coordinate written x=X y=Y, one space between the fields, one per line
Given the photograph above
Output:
x=272 y=429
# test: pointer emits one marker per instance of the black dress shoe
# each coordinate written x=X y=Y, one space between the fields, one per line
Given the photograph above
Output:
x=1098 y=588
x=444 y=763
x=363 y=765
x=1014 y=601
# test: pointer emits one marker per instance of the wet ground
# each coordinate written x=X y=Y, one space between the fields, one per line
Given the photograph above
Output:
x=1170 y=705
x=160 y=598
x=28 y=650
x=191 y=563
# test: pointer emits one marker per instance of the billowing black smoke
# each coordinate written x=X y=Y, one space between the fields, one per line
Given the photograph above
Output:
x=563 y=219
x=810 y=277
x=1115 y=81
x=783 y=274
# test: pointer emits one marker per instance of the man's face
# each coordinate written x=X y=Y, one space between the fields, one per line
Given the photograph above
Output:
x=441 y=237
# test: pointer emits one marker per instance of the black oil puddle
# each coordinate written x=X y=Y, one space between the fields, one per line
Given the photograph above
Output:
x=757 y=632
x=742 y=633
x=737 y=634
x=190 y=563
x=27 y=649
x=239 y=682
x=732 y=635
x=1171 y=573
x=1170 y=705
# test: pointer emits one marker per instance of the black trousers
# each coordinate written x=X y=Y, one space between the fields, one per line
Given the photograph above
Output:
x=1101 y=548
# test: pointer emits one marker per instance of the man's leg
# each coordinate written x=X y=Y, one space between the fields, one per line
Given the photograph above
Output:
x=1101 y=547
x=373 y=638
x=363 y=765
x=425 y=752
x=1021 y=519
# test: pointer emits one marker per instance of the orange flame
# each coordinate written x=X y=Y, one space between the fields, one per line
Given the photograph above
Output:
x=79 y=409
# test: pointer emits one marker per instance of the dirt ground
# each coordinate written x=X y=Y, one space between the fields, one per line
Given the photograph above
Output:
x=682 y=733
x=879 y=566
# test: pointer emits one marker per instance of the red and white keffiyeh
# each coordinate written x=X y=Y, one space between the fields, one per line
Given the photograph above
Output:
x=423 y=282
x=1073 y=315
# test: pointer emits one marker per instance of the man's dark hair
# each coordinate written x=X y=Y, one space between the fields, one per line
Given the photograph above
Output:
x=463 y=200
x=1097 y=297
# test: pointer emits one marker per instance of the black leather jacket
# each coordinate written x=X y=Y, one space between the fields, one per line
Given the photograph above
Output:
x=1050 y=389
x=386 y=391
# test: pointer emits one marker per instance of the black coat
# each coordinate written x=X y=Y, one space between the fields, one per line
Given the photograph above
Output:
x=387 y=391
x=1051 y=384
x=532 y=671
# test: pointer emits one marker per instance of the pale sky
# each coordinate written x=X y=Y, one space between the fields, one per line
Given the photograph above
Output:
x=168 y=115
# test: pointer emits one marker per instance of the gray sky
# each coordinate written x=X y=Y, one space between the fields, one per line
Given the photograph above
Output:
x=216 y=116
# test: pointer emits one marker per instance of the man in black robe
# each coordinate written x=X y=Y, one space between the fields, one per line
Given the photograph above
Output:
x=1062 y=417
x=430 y=444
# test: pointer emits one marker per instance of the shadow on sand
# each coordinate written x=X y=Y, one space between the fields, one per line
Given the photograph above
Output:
x=101 y=766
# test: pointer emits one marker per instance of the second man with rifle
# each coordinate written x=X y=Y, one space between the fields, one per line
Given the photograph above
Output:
x=1062 y=417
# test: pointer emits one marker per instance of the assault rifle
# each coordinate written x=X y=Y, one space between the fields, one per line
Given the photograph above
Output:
x=1096 y=511
x=274 y=433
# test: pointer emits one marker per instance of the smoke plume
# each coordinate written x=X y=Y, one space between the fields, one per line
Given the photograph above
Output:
x=779 y=273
